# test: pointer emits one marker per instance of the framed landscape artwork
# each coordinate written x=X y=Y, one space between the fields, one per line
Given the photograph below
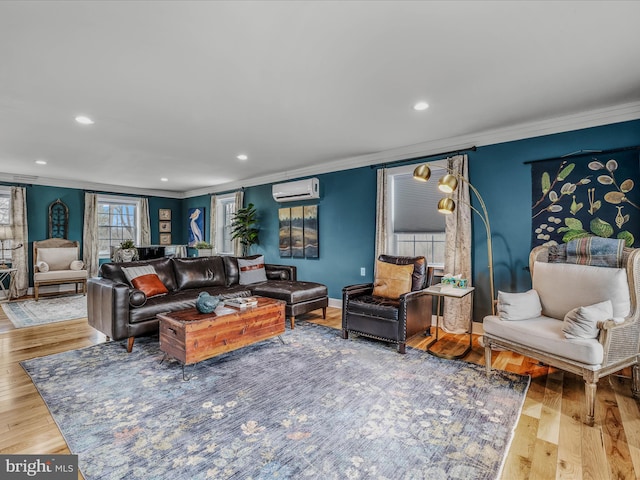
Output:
x=298 y=232
x=284 y=242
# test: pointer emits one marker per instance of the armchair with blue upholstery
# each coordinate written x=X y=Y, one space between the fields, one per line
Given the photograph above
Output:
x=393 y=320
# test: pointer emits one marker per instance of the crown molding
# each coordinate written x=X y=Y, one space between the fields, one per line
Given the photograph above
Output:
x=93 y=187
x=592 y=118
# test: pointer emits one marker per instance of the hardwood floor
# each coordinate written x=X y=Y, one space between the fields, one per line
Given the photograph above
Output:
x=550 y=439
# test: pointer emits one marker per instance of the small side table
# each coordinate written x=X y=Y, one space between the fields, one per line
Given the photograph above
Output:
x=9 y=273
x=441 y=292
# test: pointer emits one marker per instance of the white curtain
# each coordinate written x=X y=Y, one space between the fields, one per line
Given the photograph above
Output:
x=212 y=223
x=145 y=222
x=19 y=257
x=382 y=213
x=90 y=246
x=457 y=257
x=237 y=246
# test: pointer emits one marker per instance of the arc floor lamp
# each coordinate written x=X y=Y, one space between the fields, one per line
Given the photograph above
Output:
x=447 y=206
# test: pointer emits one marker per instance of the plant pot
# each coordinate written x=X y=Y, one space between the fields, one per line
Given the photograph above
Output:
x=205 y=252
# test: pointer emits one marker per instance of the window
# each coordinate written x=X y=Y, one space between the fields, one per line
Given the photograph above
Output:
x=5 y=224
x=416 y=227
x=118 y=220
x=225 y=210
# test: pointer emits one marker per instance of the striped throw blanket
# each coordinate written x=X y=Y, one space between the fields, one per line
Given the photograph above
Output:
x=595 y=251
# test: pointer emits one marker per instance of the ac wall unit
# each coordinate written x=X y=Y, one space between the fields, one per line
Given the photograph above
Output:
x=299 y=190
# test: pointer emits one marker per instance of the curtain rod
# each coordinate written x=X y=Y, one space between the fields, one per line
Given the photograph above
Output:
x=584 y=153
x=423 y=157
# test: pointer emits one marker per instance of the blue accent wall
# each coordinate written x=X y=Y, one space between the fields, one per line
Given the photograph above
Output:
x=347 y=213
x=346 y=224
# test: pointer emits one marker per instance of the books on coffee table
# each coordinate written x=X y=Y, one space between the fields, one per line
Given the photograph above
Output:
x=241 y=302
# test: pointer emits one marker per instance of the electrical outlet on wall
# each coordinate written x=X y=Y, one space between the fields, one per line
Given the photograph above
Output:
x=363 y=271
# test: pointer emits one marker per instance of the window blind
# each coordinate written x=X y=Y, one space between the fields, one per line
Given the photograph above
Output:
x=415 y=204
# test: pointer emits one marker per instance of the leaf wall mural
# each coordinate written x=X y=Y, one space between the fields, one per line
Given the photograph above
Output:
x=586 y=195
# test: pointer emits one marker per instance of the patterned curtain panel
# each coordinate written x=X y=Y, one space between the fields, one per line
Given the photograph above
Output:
x=458 y=241
x=586 y=195
x=212 y=223
x=145 y=222
x=90 y=247
x=237 y=246
x=20 y=235
x=382 y=213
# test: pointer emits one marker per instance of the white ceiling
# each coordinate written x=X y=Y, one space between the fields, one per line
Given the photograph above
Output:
x=178 y=89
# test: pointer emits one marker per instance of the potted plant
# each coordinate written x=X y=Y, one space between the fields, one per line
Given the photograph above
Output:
x=205 y=249
x=127 y=251
x=243 y=227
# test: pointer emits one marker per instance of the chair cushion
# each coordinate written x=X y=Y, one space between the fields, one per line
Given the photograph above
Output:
x=563 y=287
x=419 y=277
x=392 y=280
x=57 y=258
x=582 y=322
x=69 y=275
x=373 y=306
x=519 y=306
x=545 y=334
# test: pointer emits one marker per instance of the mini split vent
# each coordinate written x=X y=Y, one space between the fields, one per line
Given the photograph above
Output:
x=301 y=190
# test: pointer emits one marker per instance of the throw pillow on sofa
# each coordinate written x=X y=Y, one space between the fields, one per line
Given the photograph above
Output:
x=519 y=306
x=582 y=322
x=146 y=280
x=252 y=270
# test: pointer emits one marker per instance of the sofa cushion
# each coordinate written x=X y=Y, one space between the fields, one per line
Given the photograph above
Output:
x=252 y=270
x=586 y=285
x=392 y=280
x=290 y=292
x=582 y=322
x=545 y=335
x=145 y=279
x=60 y=275
x=199 y=272
x=519 y=306
x=57 y=258
x=162 y=266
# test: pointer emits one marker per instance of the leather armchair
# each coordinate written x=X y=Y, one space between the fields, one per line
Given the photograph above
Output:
x=385 y=319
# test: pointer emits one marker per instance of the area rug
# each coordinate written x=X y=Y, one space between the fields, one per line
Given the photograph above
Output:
x=29 y=313
x=316 y=406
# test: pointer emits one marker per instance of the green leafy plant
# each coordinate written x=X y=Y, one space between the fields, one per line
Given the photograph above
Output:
x=202 y=245
x=243 y=227
x=126 y=244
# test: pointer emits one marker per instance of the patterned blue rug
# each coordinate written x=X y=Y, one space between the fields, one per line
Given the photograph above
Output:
x=29 y=313
x=315 y=407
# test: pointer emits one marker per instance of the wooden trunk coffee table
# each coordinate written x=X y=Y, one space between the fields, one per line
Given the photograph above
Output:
x=191 y=337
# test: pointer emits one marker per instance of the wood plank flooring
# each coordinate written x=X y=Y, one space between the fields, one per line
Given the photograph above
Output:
x=550 y=440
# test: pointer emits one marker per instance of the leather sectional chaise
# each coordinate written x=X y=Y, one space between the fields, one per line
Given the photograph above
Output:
x=120 y=311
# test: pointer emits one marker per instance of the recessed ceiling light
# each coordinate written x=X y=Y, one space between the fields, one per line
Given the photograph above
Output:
x=421 y=106
x=84 y=120
x=41 y=162
x=242 y=156
x=164 y=179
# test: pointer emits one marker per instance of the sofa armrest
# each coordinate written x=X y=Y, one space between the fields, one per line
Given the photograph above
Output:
x=281 y=272
x=108 y=307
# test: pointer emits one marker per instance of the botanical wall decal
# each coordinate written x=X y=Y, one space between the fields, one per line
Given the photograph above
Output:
x=586 y=195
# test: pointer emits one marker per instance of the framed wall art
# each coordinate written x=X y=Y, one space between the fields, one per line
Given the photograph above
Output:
x=298 y=234
x=196 y=225
x=310 y=223
x=165 y=239
x=165 y=226
x=164 y=214
x=284 y=220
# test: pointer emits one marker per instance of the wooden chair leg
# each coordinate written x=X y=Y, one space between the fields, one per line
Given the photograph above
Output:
x=293 y=322
x=590 y=393
x=345 y=333
x=36 y=288
x=130 y=344
x=487 y=358
x=324 y=312
x=635 y=381
x=402 y=347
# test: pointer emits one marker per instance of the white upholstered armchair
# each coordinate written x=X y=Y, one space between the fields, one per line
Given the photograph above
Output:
x=56 y=263
x=576 y=328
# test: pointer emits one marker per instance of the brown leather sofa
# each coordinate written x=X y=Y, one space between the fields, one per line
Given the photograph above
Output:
x=120 y=311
